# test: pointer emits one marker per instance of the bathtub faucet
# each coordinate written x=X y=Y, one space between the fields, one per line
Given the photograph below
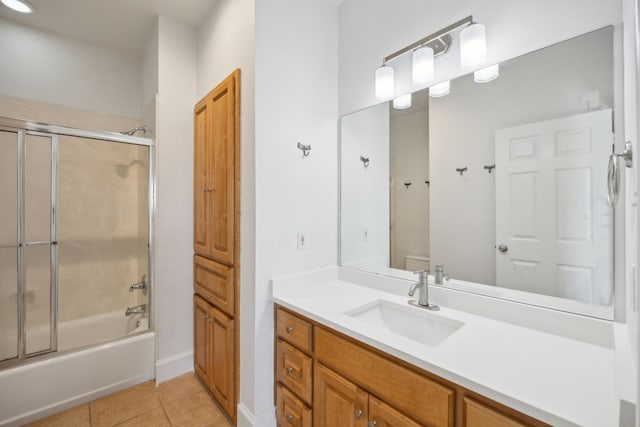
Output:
x=140 y=285
x=142 y=308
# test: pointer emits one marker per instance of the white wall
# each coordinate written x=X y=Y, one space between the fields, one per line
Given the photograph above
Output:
x=46 y=67
x=174 y=279
x=296 y=101
x=365 y=191
x=373 y=29
x=226 y=42
x=409 y=162
x=543 y=85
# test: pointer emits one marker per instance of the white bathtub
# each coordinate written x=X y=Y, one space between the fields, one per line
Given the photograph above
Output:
x=37 y=389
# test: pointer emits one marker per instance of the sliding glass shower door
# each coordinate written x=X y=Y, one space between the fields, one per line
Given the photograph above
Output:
x=74 y=239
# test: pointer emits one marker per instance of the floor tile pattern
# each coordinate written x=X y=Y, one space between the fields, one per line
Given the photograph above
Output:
x=181 y=401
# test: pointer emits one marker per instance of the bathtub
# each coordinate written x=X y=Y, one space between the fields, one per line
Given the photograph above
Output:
x=40 y=388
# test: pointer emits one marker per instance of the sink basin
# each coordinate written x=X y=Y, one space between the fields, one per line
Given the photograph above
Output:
x=414 y=323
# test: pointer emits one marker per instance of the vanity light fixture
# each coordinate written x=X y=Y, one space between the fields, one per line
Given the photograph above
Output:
x=473 y=46
x=473 y=52
x=487 y=74
x=19 y=6
x=422 y=64
x=402 y=102
x=384 y=82
x=439 y=90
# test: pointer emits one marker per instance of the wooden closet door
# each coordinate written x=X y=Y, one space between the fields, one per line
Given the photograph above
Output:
x=216 y=171
x=200 y=338
x=201 y=189
x=223 y=170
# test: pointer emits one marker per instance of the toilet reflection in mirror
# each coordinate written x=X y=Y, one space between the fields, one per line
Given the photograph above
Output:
x=546 y=124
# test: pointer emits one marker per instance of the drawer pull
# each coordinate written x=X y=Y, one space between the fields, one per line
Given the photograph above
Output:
x=289 y=370
x=357 y=414
x=289 y=417
x=289 y=329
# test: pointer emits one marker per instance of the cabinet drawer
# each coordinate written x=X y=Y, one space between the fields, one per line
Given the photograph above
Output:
x=423 y=399
x=477 y=414
x=294 y=369
x=293 y=329
x=290 y=411
x=215 y=283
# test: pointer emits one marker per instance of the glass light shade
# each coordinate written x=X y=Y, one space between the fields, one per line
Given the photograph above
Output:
x=402 y=102
x=487 y=74
x=19 y=6
x=473 y=46
x=384 y=82
x=422 y=65
x=441 y=89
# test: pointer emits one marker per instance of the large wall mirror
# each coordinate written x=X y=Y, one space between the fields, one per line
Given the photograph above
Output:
x=503 y=183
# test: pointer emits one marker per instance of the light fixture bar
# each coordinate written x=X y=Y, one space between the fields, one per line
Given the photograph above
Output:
x=431 y=38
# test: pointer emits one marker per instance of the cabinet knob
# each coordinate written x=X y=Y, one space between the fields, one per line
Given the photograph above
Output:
x=208 y=296
x=289 y=329
x=210 y=319
x=208 y=189
x=372 y=423
x=289 y=417
x=289 y=370
x=357 y=413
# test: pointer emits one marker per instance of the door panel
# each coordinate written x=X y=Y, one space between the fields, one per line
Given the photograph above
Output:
x=223 y=142
x=37 y=188
x=551 y=211
x=37 y=297
x=383 y=415
x=337 y=401
x=201 y=192
x=223 y=360
x=200 y=342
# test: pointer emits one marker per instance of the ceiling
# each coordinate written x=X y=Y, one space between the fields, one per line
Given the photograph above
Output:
x=123 y=25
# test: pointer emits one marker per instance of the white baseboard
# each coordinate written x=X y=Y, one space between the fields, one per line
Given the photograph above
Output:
x=174 y=366
x=247 y=419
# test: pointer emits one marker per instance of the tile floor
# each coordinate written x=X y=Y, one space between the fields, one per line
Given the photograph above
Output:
x=181 y=401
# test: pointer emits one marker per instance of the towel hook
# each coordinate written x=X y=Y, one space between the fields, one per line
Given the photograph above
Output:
x=407 y=184
x=305 y=149
x=365 y=161
x=461 y=170
x=489 y=168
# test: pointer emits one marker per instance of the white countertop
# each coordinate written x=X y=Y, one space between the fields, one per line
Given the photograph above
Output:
x=553 y=378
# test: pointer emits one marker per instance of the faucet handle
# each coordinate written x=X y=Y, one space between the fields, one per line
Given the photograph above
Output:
x=423 y=273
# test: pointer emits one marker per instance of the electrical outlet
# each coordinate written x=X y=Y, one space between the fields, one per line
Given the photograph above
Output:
x=302 y=240
x=365 y=234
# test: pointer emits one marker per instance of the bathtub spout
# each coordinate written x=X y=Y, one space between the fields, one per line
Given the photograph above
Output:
x=142 y=308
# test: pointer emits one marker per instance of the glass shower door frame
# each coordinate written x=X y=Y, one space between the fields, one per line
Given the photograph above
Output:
x=23 y=129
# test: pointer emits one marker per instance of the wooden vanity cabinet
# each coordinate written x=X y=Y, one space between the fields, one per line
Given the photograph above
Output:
x=216 y=241
x=353 y=384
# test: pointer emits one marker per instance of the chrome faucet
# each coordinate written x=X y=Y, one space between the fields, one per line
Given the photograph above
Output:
x=440 y=274
x=423 y=291
x=142 y=308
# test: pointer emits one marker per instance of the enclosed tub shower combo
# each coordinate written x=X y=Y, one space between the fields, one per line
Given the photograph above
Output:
x=75 y=265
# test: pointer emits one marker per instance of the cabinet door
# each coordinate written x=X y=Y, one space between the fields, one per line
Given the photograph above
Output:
x=223 y=171
x=200 y=338
x=201 y=189
x=222 y=368
x=216 y=164
x=383 y=415
x=337 y=401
